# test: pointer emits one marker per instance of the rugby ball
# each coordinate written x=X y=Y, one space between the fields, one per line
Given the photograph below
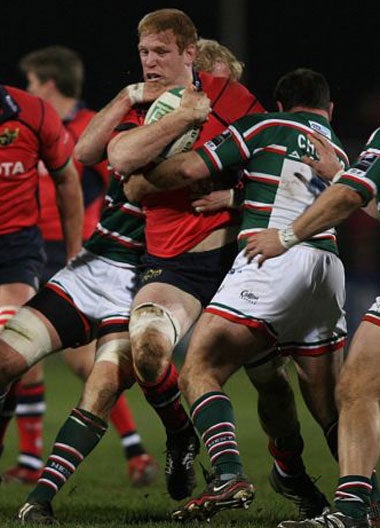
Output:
x=163 y=105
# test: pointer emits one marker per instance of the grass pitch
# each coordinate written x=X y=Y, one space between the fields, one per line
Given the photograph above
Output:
x=100 y=494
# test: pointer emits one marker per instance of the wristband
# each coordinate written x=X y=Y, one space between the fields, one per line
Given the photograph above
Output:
x=287 y=237
x=136 y=93
x=338 y=175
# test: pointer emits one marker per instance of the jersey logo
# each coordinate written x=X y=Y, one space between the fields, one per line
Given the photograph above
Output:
x=151 y=274
x=320 y=128
x=8 y=136
x=218 y=140
x=294 y=154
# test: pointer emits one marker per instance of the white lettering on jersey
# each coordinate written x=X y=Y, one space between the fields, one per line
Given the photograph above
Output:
x=10 y=168
x=306 y=145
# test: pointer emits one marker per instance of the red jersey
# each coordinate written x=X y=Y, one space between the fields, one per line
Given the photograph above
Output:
x=30 y=130
x=172 y=225
x=94 y=184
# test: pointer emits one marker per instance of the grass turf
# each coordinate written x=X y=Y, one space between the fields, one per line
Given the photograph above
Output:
x=100 y=494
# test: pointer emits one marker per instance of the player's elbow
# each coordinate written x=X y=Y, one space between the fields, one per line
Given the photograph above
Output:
x=84 y=155
x=120 y=159
x=189 y=168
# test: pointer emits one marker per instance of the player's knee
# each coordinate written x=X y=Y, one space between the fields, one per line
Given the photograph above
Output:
x=154 y=332
x=151 y=322
x=26 y=334
x=150 y=362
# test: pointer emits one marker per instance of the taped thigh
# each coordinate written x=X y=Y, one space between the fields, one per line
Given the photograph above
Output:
x=28 y=335
x=152 y=316
x=115 y=351
x=6 y=312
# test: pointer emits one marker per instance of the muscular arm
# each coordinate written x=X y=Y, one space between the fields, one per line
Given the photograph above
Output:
x=92 y=143
x=137 y=187
x=179 y=171
x=133 y=149
x=91 y=147
x=333 y=206
x=69 y=200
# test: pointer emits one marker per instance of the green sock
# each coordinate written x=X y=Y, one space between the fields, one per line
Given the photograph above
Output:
x=213 y=416
x=77 y=438
x=352 y=496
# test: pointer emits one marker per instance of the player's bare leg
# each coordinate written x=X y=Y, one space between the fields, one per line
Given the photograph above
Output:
x=162 y=314
x=358 y=394
x=317 y=379
x=217 y=349
x=141 y=467
x=86 y=425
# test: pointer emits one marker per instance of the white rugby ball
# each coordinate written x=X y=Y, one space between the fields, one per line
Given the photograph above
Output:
x=163 y=105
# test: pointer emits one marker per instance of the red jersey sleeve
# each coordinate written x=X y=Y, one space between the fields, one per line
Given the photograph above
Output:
x=56 y=143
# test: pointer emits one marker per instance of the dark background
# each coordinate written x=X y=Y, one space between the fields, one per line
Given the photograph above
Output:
x=271 y=37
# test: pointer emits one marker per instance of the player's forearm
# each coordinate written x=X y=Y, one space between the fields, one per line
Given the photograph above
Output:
x=137 y=187
x=334 y=205
x=92 y=144
x=133 y=149
x=179 y=171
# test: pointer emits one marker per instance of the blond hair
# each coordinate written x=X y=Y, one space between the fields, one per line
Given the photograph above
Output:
x=210 y=51
x=175 y=20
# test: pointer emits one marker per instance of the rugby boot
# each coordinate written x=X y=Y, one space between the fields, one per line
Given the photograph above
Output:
x=302 y=491
x=181 y=450
x=327 y=520
x=218 y=496
x=36 y=513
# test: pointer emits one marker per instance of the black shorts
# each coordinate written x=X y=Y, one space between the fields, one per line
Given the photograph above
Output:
x=198 y=273
x=22 y=257
x=56 y=259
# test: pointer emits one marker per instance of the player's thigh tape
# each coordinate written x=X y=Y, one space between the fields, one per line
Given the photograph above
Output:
x=151 y=316
x=6 y=312
x=116 y=351
x=28 y=335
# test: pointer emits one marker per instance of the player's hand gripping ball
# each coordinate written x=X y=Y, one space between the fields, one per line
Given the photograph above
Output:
x=164 y=104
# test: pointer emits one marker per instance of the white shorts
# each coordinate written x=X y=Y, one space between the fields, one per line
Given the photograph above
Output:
x=373 y=313
x=99 y=288
x=297 y=298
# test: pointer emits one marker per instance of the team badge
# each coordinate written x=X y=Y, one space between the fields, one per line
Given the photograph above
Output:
x=8 y=136
x=151 y=274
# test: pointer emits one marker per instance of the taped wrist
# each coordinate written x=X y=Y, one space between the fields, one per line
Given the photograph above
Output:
x=136 y=93
x=287 y=237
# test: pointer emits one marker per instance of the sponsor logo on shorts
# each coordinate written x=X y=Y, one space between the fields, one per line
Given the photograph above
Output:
x=248 y=296
x=151 y=274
